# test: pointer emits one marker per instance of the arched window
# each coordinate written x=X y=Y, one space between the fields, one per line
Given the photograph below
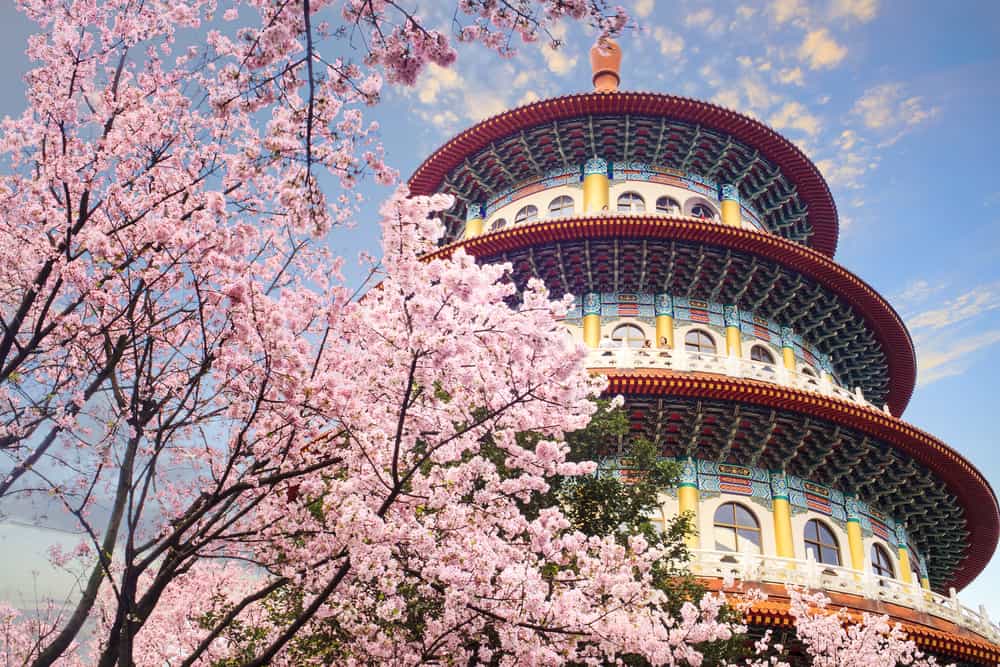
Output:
x=667 y=205
x=703 y=211
x=628 y=335
x=736 y=529
x=700 y=342
x=881 y=563
x=806 y=370
x=498 y=224
x=527 y=214
x=761 y=354
x=821 y=542
x=631 y=202
x=561 y=206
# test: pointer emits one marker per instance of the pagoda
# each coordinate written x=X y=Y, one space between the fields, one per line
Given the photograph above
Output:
x=699 y=245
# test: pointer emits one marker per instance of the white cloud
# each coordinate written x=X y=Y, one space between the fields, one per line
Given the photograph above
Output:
x=889 y=110
x=523 y=78
x=942 y=349
x=847 y=140
x=557 y=60
x=862 y=10
x=759 y=96
x=670 y=43
x=975 y=302
x=786 y=10
x=436 y=79
x=528 y=97
x=846 y=170
x=918 y=291
x=727 y=98
x=791 y=75
x=710 y=76
x=745 y=12
x=482 y=104
x=946 y=356
x=702 y=17
x=820 y=50
x=794 y=115
x=643 y=8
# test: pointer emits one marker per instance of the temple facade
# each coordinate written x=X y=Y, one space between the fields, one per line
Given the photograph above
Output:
x=699 y=245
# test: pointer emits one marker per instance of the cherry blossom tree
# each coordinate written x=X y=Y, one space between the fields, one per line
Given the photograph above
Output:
x=184 y=370
x=836 y=638
x=257 y=456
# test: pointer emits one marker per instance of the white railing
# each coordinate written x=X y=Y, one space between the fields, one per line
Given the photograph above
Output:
x=681 y=360
x=773 y=569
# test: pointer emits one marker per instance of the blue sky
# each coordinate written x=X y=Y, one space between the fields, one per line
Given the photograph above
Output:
x=895 y=101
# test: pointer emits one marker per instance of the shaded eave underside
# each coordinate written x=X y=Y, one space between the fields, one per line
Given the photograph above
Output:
x=809 y=183
x=882 y=319
x=962 y=479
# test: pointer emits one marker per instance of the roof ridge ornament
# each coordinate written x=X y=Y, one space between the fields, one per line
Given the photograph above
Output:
x=605 y=63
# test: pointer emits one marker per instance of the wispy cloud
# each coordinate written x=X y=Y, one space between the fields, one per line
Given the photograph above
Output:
x=948 y=333
x=890 y=111
x=939 y=358
x=975 y=302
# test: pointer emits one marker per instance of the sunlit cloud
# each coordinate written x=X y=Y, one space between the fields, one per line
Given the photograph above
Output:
x=436 y=79
x=791 y=75
x=702 y=18
x=887 y=109
x=795 y=116
x=973 y=303
x=784 y=11
x=860 y=10
x=669 y=43
x=643 y=8
x=820 y=50
x=948 y=333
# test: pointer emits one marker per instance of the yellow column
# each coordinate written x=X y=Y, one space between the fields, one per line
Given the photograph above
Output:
x=856 y=544
x=473 y=220
x=592 y=319
x=787 y=351
x=663 y=307
x=687 y=498
x=596 y=187
x=905 y=573
x=730 y=199
x=734 y=342
x=783 y=545
x=925 y=583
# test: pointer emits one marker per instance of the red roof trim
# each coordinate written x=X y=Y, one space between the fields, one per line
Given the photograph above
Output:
x=810 y=184
x=883 y=320
x=973 y=492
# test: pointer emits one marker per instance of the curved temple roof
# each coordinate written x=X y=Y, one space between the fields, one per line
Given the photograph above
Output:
x=526 y=143
x=887 y=371
x=901 y=467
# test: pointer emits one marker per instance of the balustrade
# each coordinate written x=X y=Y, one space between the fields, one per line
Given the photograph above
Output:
x=682 y=360
x=773 y=569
